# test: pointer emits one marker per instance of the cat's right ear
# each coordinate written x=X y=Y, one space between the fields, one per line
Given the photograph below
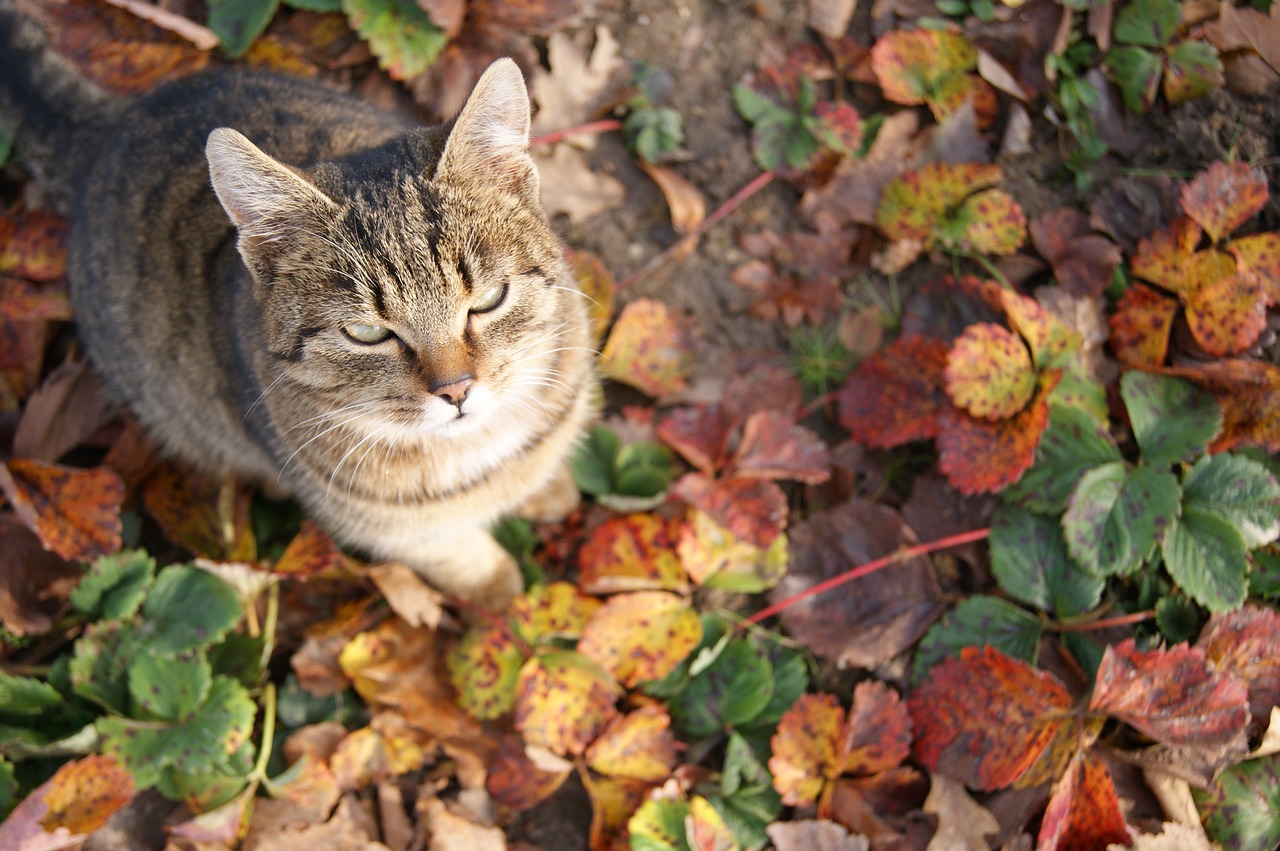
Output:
x=265 y=200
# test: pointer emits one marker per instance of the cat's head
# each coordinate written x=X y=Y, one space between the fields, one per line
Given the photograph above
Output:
x=417 y=287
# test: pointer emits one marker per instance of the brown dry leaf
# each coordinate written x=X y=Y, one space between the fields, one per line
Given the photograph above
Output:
x=68 y=408
x=1082 y=261
x=688 y=206
x=963 y=823
x=343 y=832
x=831 y=17
x=569 y=186
x=852 y=196
x=448 y=15
x=811 y=835
x=1172 y=837
x=451 y=831
x=873 y=619
x=34 y=583
x=408 y=595
x=208 y=516
x=574 y=90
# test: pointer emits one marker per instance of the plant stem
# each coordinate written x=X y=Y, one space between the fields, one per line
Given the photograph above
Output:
x=901 y=555
x=677 y=248
x=604 y=125
x=1104 y=623
x=982 y=261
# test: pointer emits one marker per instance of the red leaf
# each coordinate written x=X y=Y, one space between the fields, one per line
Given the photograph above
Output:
x=754 y=510
x=1246 y=643
x=985 y=457
x=1171 y=695
x=1084 y=812
x=896 y=395
x=1082 y=261
x=76 y=513
x=1224 y=196
x=877 y=734
x=985 y=718
x=774 y=447
x=698 y=433
x=1140 y=326
x=33 y=245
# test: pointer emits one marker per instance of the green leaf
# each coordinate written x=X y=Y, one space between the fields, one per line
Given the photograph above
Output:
x=752 y=105
x=1238 y=490
x=188 y=608
x=592 y=463
x=8 y=788
x=27 y=697
x=320 y=6
x=976 y=621
x=169 y=688
x=790 y=680
x=240 y=656
x=1194 y=70
x=1073 y=444
x=1115 y=517
x=1240 y=808
x=239 y=22
x=642 y=468
x=1172 y=418
x=659 y=826
x=1077 y=390
x=654 y=133
x=1030 y=562
x=115 y=585
x=733 y=690
x=1177 y=618
x=399 y=34
x=1136 y=71
x=1207 y=557
x=747 y=801
x=1149 y=23
x=99 y=668
x=1264 y=580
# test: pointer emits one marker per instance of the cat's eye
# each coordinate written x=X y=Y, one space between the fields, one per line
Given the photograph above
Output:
x=489 y=299
x=367 y=334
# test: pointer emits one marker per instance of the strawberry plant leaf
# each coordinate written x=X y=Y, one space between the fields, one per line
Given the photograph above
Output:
x=754 y=510
x=485 y=669
x=1171 y=695
x=1073 y=444
x=169 y=688
x=896 y=395
x=1084 y=810
x=1050 y=340
x=1115 y=517
x=188 y=608
x=1259 y=254
x=1136 y=71
x=1239 y=807
x=773 y=446
x=659 y=825
x=1207 y=557
x=190 y=508
x=238 y=23
x=732 y=691
x=1141 y=325
x=1164 y=257
x=1249 y=393
x=838 y=126
x=1227 y=314
x=988 y=222
x=556 y=610
x=1149 y=23
x=399 y=33
x=638 y=745
x=593 y=461
x=1172 y=419
x=1238 y=490
x=649 y=349
x=985 y=718
x=1224 y=196
x=75 y=513
x=33 y=245
x=632 y=553
x=877 y=735
x=978 y=456
x=1243 y=642
x=514 y=781
x=979 y=621
x=989 y=372
x=934 y=67
x=1194 y=69
x=99 y=667
x=699 y=433
x=641 y=636
x=115 y=585
x=748 y=802
x=565 y=700
x=716 y=559
x=1030 y=562
x=780 y=135
x=914 y=202
x=807 y=748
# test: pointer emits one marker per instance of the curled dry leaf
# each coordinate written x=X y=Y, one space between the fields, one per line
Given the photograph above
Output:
x=573 y=91
x=571 y=187
x=1082 y=261
x=76 y=513
x=688 y=206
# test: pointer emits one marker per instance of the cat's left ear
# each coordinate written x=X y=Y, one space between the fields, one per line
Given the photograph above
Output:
x=489 y=142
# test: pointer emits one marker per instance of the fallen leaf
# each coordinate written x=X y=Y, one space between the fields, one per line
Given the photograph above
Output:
x=963 y=823
x=1224 y=196
x=641 y=636
x=754 y=510
x=688 y=206
x=312 y=552
x=76 y=513
x=1244 y=642
x=638 y=745
x=515 y=781
x=1084 y=811
x=33 y=245
x=896 y=395
x=649 y=348
x=831 y=17
x=1082 y=261
x=69 y=407
x=632 y=553
x=565 y=700
x=1141 y=325
x=570 y=186
x=814 y=835
x=989 y=372
x=209 y=517
x=573 y=91
x=34 y=583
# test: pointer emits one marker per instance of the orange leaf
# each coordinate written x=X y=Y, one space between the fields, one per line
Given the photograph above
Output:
x=896 y=395
x=806 y=748
x=1249 y=392
x=1163 y=258
x=1227 y=315
x=515 y=781
x=642 y=635
x=83 y=794
x=1140 y=326
x=1084 y=811
x=597 y=287
x=877 y=735
x=311 y=552
x=1260 y=254
x=649 y=348
x=984 y=457
x=985 y=717
x=1224 y=196
x=210 y=517
x=564 y=701
x=1050 y=340
x=639 y=745
x=632 y=553
x=989 y=372
x=1244 y=642
x=76 y=513
x=754 y=510
x=33 y=245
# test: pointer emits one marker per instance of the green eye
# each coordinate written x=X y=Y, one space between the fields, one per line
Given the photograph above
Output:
x=367 y=334
x=489 y=299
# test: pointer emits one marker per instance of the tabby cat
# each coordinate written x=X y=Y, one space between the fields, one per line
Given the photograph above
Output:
x=283 y=282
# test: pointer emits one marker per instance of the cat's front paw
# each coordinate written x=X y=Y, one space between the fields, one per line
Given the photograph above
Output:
x=555 y=500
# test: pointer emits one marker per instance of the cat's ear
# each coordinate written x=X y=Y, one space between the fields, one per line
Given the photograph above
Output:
x=489 y=142
x=265 y=200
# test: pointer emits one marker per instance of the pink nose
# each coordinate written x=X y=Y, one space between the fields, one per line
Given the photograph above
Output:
x=455 y=390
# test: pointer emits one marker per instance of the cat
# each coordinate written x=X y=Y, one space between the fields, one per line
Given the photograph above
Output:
x=285 y=283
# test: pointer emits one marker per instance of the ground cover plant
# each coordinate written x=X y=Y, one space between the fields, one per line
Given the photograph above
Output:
x=935 y=503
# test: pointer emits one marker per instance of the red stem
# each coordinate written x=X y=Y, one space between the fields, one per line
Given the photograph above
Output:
x=604 y=125
x=895 y=557
x=1118 y=620
x=760 y=181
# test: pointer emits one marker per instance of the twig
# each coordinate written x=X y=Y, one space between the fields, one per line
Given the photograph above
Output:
x=1104 y=623
x=760 y=181
x=604 y=125
x=896 y=557
x=198 y=34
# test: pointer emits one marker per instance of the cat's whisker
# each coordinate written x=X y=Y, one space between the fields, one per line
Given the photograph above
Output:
x=357 y=415
x=577 y=293
x=261 y=398
x=374 y=435
x=376 y=444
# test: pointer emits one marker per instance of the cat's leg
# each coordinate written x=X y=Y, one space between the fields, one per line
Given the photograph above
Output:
x=555 y=499
x=469 y=564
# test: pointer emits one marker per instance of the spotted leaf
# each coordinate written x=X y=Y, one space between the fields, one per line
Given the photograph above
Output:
x=989 y=372
x=565 y=700
x=641 y=636
x=649 y=349
x=75 y=513
x=896 y=395
x=1140 y=326
x=1224 y=196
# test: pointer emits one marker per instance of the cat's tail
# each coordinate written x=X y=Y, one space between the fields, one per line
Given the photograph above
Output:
x=47 y=108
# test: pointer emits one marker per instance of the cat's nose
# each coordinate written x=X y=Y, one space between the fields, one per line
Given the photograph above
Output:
x=454 y=391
